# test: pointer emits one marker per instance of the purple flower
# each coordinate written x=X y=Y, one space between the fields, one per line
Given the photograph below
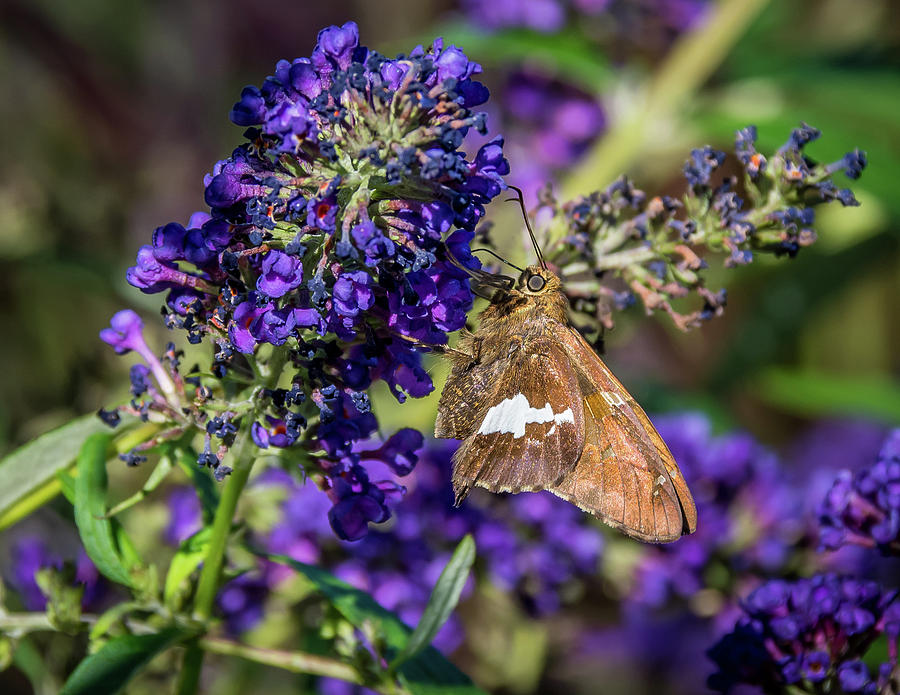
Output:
x=30 y=554
x=125 y=333
x=864 y=508
x=184 y=515
x=369 y=239
x=242 y=601
x=352 y=293
x=398 y=451
x=823 y=646
x=244 y=325
x=338 y=43
x=279 y=275
x=350 y=516
x=276 y=434
x=853 y=676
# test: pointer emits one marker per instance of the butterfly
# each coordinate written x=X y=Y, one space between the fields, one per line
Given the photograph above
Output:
x=537 y=409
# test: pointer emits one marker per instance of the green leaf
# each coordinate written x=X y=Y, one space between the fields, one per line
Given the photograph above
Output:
x=118 y=661
x=67 y=485
x=7 y=652
x=189 y=556
x=814 y=394
x=427 y=673
x=94 y=526
x=207 y=492
x=568 y=54
x=443 y=600
x=28 y=475
x=108 y=619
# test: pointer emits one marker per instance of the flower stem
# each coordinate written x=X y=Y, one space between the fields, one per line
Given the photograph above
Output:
x=688 y=65
x=208 y=584
x=296 y=662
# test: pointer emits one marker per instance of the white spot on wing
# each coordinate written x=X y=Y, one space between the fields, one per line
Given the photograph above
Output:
x=511 y=415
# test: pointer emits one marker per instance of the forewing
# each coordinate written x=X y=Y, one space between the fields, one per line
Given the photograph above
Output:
x=626 y=474
x=529 y=433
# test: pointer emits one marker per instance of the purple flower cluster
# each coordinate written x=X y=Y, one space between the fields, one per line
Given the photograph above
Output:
x=29 y=554
x=814 y=634
x=863 y=508
x=336 y=244
x=650 y=249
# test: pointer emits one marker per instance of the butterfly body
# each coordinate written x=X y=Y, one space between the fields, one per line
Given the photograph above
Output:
x=537 y=409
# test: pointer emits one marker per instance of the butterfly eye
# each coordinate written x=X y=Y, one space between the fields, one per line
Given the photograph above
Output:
x=536 y=283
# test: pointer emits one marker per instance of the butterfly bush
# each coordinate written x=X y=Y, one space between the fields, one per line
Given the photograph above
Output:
x=863 y=508
x=336 y=241
x=816 y=634
x=813 y=634
x=618 y=246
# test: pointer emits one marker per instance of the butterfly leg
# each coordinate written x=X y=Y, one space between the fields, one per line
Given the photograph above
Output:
x=439 y=349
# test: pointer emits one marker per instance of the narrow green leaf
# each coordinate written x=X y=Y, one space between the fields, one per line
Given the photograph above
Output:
x=568 y=53
x=67 y=484
x=426 y=673
x=109 y=618
x=207 y=492
x=28 y=470
x=95 y=528
x=817 y=394
x=443 y=600
x=118 y=661
x=188 y=558
x=127 y=550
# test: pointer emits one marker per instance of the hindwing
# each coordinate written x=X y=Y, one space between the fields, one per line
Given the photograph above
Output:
x=626 y=474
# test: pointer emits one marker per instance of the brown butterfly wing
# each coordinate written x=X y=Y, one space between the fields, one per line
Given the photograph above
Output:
x=529 y=432
x=626 y=474
x=467 y=389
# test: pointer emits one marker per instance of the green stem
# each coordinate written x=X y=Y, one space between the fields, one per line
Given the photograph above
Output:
x=296 y=662
x=210 y=575
x=687 y=67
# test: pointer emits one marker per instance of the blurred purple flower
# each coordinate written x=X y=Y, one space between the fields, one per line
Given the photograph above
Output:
x=864 y=508
x=184 y=515
x=29 y=554
x=815 y=630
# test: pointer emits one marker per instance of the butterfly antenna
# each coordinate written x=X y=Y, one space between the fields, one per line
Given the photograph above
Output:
x=499 y=258
x=537 y=249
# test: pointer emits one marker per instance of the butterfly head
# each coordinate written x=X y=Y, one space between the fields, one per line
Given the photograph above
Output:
x=536 y=280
